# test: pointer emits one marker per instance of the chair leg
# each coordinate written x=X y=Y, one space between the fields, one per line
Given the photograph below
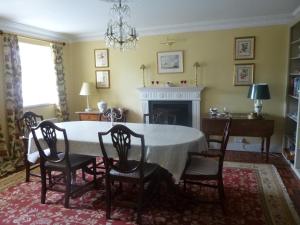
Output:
x=221 y=193
x=44 y=185
x=27 y=169
x=83 y=174
x=94 y=173
x=73 y=178
x=140 y=204
x=108 y=197
x=68 y=188
x=50 y=178
x=184 y=185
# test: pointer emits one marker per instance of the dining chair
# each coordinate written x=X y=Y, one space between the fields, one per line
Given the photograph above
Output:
x=208 y=165
x=118 y=115
x=160 y=117
x=122 y=169
x=25 y=123
x=59 y=160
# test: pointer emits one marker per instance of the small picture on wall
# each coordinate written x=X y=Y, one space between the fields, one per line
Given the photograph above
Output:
x=243 y=74
x=244 y=48
x=101 y=58
x=170 y=62
x=102 y=79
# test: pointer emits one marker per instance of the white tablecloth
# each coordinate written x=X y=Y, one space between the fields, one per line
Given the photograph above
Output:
x=166 y=145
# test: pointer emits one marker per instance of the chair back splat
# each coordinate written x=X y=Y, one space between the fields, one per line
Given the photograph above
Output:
x=121 y=139
x=27 y=121
x=24 y=124
x=49 y=132
x=160 y=117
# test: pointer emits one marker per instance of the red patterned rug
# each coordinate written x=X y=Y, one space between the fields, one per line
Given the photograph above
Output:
x=255 y=195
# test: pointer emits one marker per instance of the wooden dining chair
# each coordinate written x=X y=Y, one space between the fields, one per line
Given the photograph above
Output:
x=118 y=115
x=123 y=169
x=160 y=117
x=208 y=165
x=25 y=123
x=59 y=160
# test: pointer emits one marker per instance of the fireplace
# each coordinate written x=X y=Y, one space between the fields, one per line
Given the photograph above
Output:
x=181 y=111
x=181 y=100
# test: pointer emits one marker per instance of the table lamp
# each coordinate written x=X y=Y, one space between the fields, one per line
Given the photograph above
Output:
x=86 y=90
x=259 y=92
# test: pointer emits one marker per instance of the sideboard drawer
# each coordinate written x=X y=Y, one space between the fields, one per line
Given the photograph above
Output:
x=90 y=116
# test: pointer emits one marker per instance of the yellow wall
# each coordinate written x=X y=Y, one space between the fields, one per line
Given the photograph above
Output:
x=213 y=49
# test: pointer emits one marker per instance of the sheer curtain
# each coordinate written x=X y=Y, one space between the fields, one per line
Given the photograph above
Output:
x=62 y=107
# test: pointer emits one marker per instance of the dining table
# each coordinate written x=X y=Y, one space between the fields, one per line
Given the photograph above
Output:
x=165 y=145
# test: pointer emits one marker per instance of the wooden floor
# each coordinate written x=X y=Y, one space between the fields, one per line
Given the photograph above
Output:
x=289 y=178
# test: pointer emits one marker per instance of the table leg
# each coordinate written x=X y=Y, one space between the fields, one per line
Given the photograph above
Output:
x=262 y=145
x=267 y=148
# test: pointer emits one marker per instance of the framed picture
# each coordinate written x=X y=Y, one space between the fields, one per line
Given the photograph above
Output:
x=102 y=79
x=101 y=58
x=243 y=74
x=170 y=62
x=244 y=48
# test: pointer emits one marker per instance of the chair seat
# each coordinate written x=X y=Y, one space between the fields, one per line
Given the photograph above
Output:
x=202 y=166
x=75 y=161
x=149 y=168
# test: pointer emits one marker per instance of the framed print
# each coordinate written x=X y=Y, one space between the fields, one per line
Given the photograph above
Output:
x=243 y=74
x=101 y=58
x=102 y=79
x=244 y=48
x=170 y=62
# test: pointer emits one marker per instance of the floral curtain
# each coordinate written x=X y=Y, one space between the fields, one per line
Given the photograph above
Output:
x=3 y=147
x=14 y=100
x=62 y=107
x=5 y=165
x=13 y=83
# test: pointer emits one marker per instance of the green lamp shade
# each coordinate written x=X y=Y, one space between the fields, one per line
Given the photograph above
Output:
x=259 y=91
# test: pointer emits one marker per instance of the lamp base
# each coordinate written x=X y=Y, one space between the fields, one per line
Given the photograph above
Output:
x=88 y=109
x=254 y=115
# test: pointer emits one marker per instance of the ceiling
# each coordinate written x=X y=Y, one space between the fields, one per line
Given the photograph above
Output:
x=87 y=19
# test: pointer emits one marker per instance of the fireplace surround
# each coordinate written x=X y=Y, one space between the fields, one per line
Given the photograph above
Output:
x=148 y=95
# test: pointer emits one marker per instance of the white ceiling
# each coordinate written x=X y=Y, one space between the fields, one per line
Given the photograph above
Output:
x=87 y=19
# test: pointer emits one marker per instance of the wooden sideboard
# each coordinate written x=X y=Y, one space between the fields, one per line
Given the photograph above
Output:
x=97 y=116
x=92 y=115
x=241 y=126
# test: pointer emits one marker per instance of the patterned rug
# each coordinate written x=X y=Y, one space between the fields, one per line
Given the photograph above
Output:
x=255 y=195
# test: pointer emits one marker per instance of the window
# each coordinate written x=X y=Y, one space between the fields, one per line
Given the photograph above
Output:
x=38 y=74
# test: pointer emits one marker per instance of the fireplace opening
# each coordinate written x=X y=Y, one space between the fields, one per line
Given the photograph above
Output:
x=174 y=112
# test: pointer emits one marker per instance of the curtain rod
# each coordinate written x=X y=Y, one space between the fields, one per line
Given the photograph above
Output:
x=34 y=38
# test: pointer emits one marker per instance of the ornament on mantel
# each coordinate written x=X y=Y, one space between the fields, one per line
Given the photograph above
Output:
x=196 y=66
x=143 y=67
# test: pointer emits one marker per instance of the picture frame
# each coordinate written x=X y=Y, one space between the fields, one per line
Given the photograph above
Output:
x=101 y=57
x=102 y=79
x=244 y=48
x=170 y=62
x=243 y=74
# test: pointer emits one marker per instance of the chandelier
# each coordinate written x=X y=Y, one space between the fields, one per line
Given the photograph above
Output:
x=119 y=34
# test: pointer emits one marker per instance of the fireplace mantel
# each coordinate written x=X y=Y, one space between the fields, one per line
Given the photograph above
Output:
x=173 y=94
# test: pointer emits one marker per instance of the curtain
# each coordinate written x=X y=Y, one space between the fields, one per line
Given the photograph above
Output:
x=13 y=102
x=14 y=99
x=3 y=147
x=62 y=107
